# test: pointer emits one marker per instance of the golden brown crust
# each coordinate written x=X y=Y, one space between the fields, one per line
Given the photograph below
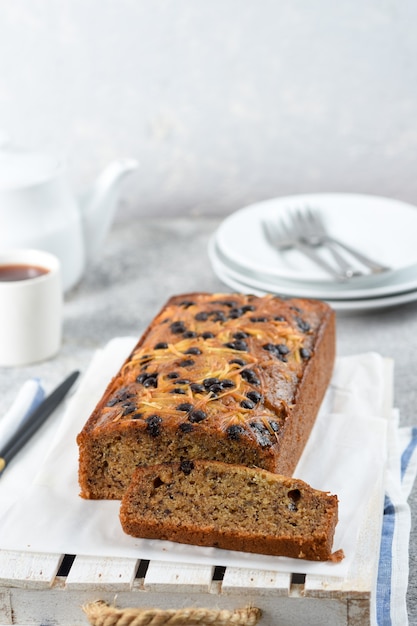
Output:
x=228 y=377
x=209 y=503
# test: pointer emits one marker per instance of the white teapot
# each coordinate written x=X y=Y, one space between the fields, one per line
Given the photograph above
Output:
x=38 y=209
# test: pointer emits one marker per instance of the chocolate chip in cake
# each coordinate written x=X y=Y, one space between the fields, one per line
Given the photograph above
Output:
x=216 y=389
x=262 y=434
x=274 y=426
x=151 y=381
x=154 y=425
x=255 y=396
x=186 y=363
x=177 y=328
x=240 y=335
x=250 y=377
x=178 y=391
x=240 y=362
x=197 y=416
x=239 y=345
x=248 y=308
x=226 y=383
x=185 y=406
x=182 y=381
x=113 y=401
x=202 y=316
x=260 y=318
x=129 y=407
x=148 y=380
x=122 y=395
x=186 y=427
x=186 y=467
x=235 y=313
x=302 y=324
x=216 y=385
x=218 y=316
x=172 y=375
x=207 y=335
x=280 y=350
x=247 y=404
x=208 y=382
x=186 y=303
x=305 y=353
x=234 y=432
x=196 y=388
x=279 y=318
x=162 y=345
x=193 y=350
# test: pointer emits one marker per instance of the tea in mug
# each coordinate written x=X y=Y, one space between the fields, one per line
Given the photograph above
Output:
x=12 y=272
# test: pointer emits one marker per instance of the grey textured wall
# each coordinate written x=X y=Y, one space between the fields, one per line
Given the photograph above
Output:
x=223 y=102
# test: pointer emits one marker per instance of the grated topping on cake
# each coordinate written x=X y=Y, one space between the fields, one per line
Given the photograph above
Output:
x=193 y=359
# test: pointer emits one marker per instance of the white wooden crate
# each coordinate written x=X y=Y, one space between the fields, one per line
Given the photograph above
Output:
x=46 y=589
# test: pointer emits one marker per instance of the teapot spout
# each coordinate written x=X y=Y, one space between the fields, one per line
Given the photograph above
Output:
x=99 y=204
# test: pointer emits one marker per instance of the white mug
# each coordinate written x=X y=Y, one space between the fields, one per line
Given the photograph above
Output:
x=31 y=306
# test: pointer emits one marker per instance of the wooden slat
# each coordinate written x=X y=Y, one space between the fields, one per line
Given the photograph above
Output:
x=28 y=570
x=359 y=613
x=239 y=580
x=178 y=577
x=63 y=607
x=108 y=574
x=5 y=608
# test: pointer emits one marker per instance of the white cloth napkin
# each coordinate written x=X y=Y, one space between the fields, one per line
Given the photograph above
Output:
x=29 y=397
x=346 y=455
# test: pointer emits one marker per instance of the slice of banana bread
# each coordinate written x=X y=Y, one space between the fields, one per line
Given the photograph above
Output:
x=210 y=503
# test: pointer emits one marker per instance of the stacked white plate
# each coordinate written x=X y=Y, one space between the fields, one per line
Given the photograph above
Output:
x=383 y=229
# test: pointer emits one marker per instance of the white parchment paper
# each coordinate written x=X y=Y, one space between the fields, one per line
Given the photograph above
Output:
x=41 y=511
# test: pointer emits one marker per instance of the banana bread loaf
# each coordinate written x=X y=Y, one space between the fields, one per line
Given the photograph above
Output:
x=210 y=503
x=226 y=377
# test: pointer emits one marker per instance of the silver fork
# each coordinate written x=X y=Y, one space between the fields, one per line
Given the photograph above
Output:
x=310 y=229
x=282 y=236
x=318 y=235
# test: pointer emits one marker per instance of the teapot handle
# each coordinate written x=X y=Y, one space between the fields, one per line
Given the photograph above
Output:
x=98 y=205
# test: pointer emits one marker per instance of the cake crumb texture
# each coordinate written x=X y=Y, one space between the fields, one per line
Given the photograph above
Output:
x=210 y=503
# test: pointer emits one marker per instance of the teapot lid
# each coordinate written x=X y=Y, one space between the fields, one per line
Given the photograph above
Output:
x=23 y=169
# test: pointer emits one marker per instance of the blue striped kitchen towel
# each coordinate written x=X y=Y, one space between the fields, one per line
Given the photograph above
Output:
x=393 y=571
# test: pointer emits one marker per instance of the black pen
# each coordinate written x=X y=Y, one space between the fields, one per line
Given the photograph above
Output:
x=35 y=421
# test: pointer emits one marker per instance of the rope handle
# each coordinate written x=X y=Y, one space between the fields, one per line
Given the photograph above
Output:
x=100 y=613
